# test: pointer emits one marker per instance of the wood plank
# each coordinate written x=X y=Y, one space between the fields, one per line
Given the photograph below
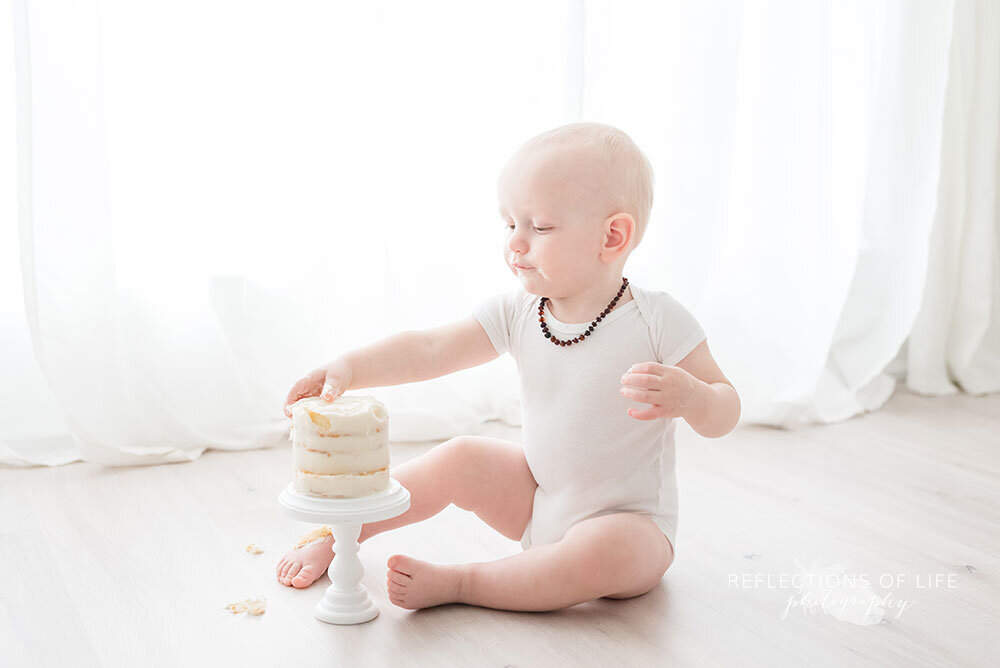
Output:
x=134 y=565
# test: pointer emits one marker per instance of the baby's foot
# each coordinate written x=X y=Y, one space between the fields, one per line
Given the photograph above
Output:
x=301 y=566
x=414 y=584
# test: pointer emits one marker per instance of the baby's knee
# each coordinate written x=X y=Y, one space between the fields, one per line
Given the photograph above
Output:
x=456 y=450
x=602 y=551
x=491 y=478
x=453 y=458
x=468 y=453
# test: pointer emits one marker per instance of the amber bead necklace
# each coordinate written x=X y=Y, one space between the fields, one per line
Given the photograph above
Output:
x=589 y=330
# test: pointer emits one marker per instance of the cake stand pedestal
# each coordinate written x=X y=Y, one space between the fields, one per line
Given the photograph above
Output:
x=346 y=601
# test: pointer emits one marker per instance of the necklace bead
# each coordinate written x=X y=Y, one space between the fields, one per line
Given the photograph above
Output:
x=590 y=328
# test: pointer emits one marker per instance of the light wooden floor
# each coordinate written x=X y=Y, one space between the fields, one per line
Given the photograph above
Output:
x=127 y=567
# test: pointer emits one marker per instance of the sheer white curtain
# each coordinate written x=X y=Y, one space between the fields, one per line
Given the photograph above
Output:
x=216 y=197
x=955 y=341
x=803 y=149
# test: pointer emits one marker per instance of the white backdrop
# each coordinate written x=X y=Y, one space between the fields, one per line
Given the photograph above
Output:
x=216 y=197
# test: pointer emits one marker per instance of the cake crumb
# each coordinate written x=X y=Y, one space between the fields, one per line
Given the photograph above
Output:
x=255 y=606
x=314 y=535
x=254 y=548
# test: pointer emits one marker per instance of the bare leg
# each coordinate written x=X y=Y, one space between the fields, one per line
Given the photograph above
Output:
x=430 y=479
x=429 y=484
x=485 y=475
x=617 y=556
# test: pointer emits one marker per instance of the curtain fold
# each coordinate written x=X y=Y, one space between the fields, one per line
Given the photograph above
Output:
x=955 y=340
x=898 y=199
x=209 y=209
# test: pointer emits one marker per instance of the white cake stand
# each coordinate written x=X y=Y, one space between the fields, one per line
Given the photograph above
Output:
x=346 y=601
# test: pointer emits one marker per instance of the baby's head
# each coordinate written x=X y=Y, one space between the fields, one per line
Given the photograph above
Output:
x=575 y=202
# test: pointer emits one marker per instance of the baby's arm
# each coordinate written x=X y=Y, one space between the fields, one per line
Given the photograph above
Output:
x=406 y=357
x=460 y=345
x=715 y=406
x=693 y=389
x=401 y=358
x=413 y=356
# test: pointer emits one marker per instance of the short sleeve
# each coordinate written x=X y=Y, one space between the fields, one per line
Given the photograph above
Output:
x=497 y=315
x=678 y=330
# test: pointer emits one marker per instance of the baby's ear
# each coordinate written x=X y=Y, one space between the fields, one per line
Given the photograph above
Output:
x=619 y=232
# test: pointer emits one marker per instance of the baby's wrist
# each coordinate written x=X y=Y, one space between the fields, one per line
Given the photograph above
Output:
x=701 y=399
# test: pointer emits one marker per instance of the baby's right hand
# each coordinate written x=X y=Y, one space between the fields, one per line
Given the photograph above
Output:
x=328 y=382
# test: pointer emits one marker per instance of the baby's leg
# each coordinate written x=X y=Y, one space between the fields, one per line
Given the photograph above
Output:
x=619 y=556
x=616 y=556
x=488 y=476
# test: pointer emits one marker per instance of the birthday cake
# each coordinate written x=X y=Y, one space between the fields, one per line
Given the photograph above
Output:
x=340 y=448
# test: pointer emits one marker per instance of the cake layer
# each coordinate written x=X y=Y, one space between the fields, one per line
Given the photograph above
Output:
x=344 y=416
x=343 y=486
x=359 y=461
x=340 y=448
x=339 y=443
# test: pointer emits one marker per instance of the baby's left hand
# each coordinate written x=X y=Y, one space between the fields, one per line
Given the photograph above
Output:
x=671 y=390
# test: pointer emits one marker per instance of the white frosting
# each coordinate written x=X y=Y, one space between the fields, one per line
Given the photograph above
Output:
x=340 y=449
x=358 y=461
x=334 y=444
x=348 y=416
x=342 y=486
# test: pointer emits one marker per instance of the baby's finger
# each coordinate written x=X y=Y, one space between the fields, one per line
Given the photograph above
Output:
x=329 y=392
x=647 y=381
x=645 y=396
x=292 y=397
x=647 y=367
x=650 y=413
x=296 y=393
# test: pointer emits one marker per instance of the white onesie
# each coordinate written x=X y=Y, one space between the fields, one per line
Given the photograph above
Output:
x=588 y=456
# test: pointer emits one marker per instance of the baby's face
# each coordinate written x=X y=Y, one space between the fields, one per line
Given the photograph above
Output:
x=553 y=214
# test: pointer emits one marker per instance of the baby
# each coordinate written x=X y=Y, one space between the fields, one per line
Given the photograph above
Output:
x=592 y=493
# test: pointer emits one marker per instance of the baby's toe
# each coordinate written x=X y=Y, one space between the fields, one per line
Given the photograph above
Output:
x=290 y=573
x=402 y=564
x=304 y=576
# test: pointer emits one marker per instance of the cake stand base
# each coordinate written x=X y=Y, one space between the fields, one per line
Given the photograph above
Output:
x=346 y=601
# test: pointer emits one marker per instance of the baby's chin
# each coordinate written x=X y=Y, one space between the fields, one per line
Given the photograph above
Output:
x=531 y=286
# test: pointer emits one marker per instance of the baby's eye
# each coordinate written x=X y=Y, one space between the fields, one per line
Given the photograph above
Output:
x=536 y=229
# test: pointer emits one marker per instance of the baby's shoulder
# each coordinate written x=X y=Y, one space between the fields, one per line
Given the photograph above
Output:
x=652 y=298
x=660 y=306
